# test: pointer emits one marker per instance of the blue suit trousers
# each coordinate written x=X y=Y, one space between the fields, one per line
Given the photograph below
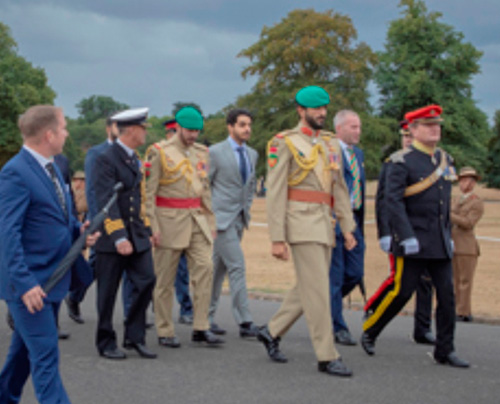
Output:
x=346 y=271
x=34 y=350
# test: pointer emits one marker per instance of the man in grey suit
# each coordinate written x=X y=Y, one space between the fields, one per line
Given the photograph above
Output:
x=232 y=179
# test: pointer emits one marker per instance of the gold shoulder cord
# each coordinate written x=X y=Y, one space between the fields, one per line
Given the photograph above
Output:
x=184 y=167
x=305 y=164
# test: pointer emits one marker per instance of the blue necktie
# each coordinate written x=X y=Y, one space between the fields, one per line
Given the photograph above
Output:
x=243 y=164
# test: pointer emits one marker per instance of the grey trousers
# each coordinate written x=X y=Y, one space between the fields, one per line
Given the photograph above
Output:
x=228 y=258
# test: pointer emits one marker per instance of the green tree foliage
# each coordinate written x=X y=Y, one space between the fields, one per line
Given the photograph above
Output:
x=98 y=106
x=493 y=170
x=427 y=62
x=21 y=86
x=305 y=48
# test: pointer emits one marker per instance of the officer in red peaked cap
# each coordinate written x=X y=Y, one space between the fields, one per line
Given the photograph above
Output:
x=418 y=194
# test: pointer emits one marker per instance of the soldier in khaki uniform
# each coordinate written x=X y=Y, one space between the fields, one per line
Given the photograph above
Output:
x=304 y=182
x=178 y=203
x=466 y=210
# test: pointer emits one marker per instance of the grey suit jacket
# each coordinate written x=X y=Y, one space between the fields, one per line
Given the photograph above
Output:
x=229 y=195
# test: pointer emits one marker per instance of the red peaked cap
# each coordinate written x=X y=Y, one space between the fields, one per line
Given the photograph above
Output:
x=170 y=124
x=403 y=125
x=428 y=114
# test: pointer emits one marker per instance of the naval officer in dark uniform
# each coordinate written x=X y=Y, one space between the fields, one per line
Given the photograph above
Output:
x=418 y=192
x=125 y=244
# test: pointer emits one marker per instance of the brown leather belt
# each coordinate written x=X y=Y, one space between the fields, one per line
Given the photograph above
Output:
x=302 y=195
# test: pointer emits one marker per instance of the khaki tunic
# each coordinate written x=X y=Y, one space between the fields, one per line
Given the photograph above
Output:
x=307 y=227
x=465 y=213
x=178 y=173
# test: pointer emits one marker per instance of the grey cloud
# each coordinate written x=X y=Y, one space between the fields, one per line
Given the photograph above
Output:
x=158 y=52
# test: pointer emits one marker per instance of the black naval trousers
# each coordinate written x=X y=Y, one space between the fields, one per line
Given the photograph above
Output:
x=423 y=306
x=109 y=270
x=408 y=275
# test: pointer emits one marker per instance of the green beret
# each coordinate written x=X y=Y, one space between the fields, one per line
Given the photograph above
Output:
x=189 y=118
x=312 y=97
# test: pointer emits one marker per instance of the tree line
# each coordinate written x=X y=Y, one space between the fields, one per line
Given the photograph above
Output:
x=424 y=61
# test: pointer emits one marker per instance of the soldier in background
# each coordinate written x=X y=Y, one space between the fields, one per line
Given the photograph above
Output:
x=305 y=183
x=466 y=210
x=78 y=187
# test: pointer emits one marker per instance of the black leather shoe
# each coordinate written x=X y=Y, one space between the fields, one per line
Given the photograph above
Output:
x=453 y=360
x=344 y=337
x=334 y=368
x=62 y=334
x=141 y=349
x=114 y=353
x=368 y=344
x=427 y=339
x=465 y=319
x=207 y=337
x=249 y=330
x=271 y=344
x=215 y=329
x=169 y=342
x=74 y=310
x=186 y=319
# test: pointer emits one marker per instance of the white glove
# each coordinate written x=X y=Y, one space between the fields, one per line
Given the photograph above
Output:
x=411 y=246
x=385 y=243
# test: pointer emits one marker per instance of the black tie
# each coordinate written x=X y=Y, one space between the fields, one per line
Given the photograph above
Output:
x=50 y=168
x=243 y=164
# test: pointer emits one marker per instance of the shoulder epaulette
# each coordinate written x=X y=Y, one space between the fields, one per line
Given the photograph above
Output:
x=281 y=135
x=399 y=156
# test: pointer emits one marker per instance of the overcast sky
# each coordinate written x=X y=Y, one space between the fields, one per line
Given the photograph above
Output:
x=154 y=53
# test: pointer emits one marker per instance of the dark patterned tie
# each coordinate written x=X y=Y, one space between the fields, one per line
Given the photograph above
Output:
x=243 y=164
x=50 y=168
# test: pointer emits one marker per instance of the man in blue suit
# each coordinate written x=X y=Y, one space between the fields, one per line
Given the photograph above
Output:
x=347 y=267
x=36 y=231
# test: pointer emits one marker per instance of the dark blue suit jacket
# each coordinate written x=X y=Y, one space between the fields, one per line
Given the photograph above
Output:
x=360 y=215
x=34 y=232
x=90 y=159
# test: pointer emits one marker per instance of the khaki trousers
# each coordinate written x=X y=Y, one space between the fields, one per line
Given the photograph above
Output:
x=309 y=296
x=199 y=263
x=464 y=267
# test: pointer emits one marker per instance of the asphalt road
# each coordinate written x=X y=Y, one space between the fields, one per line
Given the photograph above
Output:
x=240 y=372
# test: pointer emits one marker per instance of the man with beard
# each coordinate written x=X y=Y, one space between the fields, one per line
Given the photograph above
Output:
x=179 y=206
x=232 y=180
x=125 y=244
x=77 y=292
x=304 y=183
